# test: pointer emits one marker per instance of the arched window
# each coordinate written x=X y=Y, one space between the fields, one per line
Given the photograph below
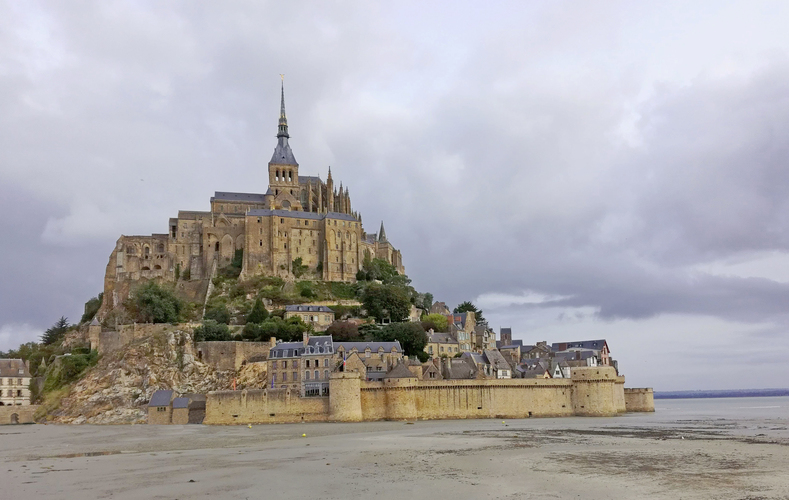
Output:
x=307 y=375
x=216 y=247
x=317 y=375
x=146 y=251
x=161 y=248
x=326 y=374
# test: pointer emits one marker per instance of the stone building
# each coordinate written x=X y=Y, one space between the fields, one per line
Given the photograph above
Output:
x=297 y=217
x=441 y=345
x=302 y=367
x=320 y=317
x=14 y=382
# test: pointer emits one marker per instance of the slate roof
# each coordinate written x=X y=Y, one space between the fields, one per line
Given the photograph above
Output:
x=307 y=308
x=228 y=196
x=11 y=367
x=399 y=371
x=286 y=350
x=496 y=360
x=461 y=368
x=180 y=403
x=161 y=397
x=295 y=214
x=442 y=338
x=303 y=179
x=283 y=155
x=596 y=345
x=362 y=346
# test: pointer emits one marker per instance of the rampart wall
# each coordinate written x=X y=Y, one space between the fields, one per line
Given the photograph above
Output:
x=231 y=355
x=17 y=414
x=639 y=399
x=264 y=406
x=593 y=391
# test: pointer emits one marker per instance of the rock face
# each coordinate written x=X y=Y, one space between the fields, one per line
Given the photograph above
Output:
x=118 y=388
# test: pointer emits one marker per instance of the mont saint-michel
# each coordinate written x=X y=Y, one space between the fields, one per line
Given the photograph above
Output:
x=298 y=217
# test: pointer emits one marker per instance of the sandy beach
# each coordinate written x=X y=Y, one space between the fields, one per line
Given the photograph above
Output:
x=683 y=454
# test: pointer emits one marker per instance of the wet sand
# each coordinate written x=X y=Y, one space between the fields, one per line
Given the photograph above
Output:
x=629 y=457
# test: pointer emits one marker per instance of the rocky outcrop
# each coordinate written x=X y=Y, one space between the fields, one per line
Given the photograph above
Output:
x=118 y=388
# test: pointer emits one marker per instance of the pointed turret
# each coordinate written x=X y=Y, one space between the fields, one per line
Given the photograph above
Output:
x=282 y=153
x=382 y=233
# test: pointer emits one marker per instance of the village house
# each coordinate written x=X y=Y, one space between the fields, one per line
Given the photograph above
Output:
x=320 y=317
x=441 y=345
x=14 y=382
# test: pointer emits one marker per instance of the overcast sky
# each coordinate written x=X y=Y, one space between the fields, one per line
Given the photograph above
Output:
x=580 y=170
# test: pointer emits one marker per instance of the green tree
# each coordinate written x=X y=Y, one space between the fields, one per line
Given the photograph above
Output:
x=411 y=336
x=424 y=301
x=156 y=304
x=344 y=331
x=258 y=314
x=468 y=306
x=211 y=331
x=91 y=308
x=387 y=302
x=219 y=313
x=289 y=330
x=298 y=268
x=55 y=332
x=438 y=322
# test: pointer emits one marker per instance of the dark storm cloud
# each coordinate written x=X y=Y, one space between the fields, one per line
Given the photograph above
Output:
x=517 y=148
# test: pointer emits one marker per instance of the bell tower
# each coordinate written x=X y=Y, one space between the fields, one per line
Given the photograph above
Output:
x=283 y=170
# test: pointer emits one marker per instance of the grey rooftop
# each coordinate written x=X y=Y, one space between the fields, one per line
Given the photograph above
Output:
x=161 y=397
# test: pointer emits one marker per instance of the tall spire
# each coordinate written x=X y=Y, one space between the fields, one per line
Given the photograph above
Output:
x=282 y=153
x=282 y=130
x=382 y=233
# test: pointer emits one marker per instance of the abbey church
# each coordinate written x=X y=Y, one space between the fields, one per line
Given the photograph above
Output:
x=298 y=216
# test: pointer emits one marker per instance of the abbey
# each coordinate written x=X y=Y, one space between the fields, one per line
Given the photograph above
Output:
x=297 y=217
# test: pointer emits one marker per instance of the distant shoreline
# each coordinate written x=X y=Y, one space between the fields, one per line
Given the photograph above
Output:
x=741 y=393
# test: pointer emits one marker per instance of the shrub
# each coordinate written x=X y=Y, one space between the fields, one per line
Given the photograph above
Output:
x=68 y=369
x=91 y=308
x=211 y=331
x=218 y=313
x=305 y=289
x=298 y=268
x=156 y=304
x=438 y=322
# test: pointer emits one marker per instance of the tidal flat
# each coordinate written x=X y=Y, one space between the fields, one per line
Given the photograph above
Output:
x=688 y=449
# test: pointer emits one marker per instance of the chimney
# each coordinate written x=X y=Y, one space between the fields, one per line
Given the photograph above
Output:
x=273 y=342
x=306 y=338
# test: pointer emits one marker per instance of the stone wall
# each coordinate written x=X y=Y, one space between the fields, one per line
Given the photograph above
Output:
x=593 y=391
x=160 y=415
x=639 y=399
x=17 y=414
x=264 y=406
x=231 y=355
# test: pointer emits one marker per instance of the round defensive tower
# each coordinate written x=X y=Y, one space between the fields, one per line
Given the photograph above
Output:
x=400 y=384
x=594 y=391
x=345 y=401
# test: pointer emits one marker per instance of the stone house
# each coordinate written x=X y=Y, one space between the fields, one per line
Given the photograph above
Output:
x=440 y=308
x=160 y=409
x=14 y=382
x=599 y=347
x=441 y=345
x=377 y=356
x=320 y=317
x=302 y=366
x=540 y=350
x=461 y=326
